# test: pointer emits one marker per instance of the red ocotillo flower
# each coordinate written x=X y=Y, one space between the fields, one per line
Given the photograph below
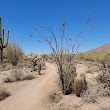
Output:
x=63 y=25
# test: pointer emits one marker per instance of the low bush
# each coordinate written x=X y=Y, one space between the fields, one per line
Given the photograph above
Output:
x=3 y=93
x=55 y=97
x=28 y=77
x=103 y=87
x=89 y=96
x=92 y=57
x=18 y=76
x=13 y=53
x=104 y=76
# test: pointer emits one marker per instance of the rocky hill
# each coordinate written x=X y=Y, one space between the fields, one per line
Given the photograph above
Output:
x=100 y=50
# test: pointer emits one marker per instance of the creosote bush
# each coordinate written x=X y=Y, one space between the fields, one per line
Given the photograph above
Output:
x=92 y=57
x=104 y=76
x=17 y=75
x=3 y=93
x=13 y=53
x=90 y=95
x=103 y=87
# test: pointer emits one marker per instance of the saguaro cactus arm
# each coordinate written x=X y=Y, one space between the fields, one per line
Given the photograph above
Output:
x=6 y=41
x=3 y=38
x=0 y=42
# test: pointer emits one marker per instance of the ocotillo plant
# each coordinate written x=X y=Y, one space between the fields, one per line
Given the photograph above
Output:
x=63 y=47
x=2 y=44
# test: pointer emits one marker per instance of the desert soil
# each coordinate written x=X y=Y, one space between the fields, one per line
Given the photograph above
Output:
x=37 y=93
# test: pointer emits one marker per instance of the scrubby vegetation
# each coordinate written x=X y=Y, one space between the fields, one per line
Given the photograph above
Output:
x=102 y=89
x=92 y=57
x=13 y=53
x=17 y=75
x=104 y=77
x=3 y=93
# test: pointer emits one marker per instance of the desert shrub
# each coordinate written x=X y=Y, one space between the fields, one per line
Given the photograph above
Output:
x=104 y=108
x=105 y=57
x=28 y=77
x=55 y=97
x=45 y=56
x=102 y=57
x=89 y=96
x=17 y=75
x=13 y=52
x=102 y=89
x=104 y=76
x=5 y=66
x=23 y=64
x=79 y=56
x=86 y=57
x=93 y=69
x=92 y=57
x=14 y=76
x=3 y=93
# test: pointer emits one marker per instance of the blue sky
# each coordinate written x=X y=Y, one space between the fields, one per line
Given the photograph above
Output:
x=21 y=16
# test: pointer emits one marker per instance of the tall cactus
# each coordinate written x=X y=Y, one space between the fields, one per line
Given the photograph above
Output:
x=2 y=42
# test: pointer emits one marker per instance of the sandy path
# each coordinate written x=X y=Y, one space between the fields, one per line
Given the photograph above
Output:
x=34 y=96
x=30 y=97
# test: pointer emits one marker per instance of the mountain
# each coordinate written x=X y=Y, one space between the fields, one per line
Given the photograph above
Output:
x=100 y=50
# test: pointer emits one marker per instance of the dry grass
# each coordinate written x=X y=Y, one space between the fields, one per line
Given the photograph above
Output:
x=55 y=97
x=92 y=69
x=91 y=94
x=17 y=75
x=5 y=66
x=103 y=87
x=3 y=93
x=104 y=77
x=13 y=53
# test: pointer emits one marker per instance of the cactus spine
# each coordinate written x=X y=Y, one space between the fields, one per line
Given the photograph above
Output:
x=2 y=44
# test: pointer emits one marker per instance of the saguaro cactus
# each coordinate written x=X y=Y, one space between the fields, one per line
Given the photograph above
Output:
x=2 y=44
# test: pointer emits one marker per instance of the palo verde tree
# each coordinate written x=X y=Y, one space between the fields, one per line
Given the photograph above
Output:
x=2 y=42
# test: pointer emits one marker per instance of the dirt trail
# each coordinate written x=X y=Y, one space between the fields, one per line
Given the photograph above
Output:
x=35 y=95
x=30 y=97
